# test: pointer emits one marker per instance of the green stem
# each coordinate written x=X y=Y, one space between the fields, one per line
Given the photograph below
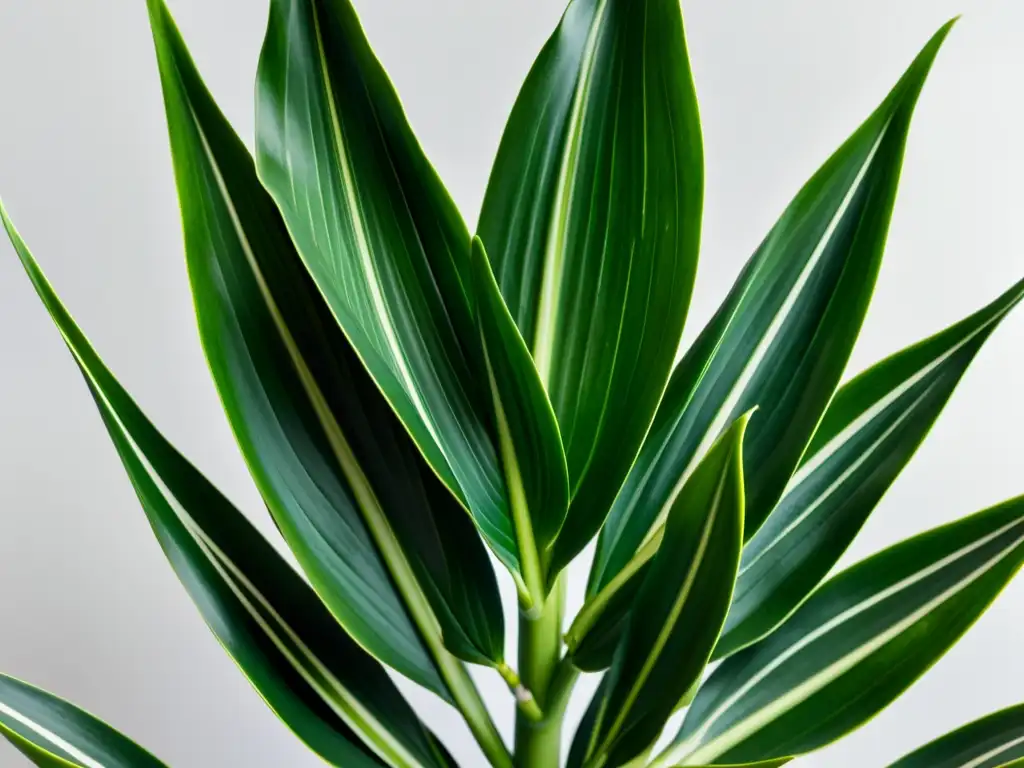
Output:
x=538 y=742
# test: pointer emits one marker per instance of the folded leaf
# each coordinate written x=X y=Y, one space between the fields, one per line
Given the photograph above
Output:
x=531 y=448
x=994 y=740
x=382 y=239
x=592 y=222
x=862 y=639
x=369 y=522
x=323 y=686
x=782 y=337
x=870 y=431
x=680 y=608
x=55 y=734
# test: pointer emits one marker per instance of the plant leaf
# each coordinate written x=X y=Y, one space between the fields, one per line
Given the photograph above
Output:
x=592 y=222
x=862 y=639
x=869 y=432
x=349 y=491
x=531 y=447
x=782 y=337
x=989 y=742
x=582 y=740
x=55 y=734
x=323 y=686
x=680 y=609
x=382 y=239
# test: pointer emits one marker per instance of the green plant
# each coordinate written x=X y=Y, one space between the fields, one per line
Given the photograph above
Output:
x=407 y=401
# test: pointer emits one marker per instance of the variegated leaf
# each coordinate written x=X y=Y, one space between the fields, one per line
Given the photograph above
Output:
x=54 y=733
x=862 y=639
x=322 y=685
x=868 y=434
x=990 y=742
x=382 y=240
x=592 y=222
x=782 y=337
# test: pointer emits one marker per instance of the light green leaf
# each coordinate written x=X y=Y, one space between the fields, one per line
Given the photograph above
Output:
x=382 y=240
x=56 y=734
x=592 y=222
x=356 y=502
x=782 y=337
x=323 y=686
x=531 y=448
x=870 y=431
x=992 y=741
x=679 y=610
x=862 y=639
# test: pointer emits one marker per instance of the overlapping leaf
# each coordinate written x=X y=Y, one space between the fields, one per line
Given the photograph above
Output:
x=56 y=734
x=782 y=337
x=531 y=448
x=383 y=241
x=592 y=222
x=992 y=741
x=328 y=690
x=861 y=640
x=868 y=434
x=368 y=520
x=680 y=608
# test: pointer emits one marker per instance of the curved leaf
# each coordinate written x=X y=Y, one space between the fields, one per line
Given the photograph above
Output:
x=992 y=741
x=531 y=448
x=861 y=640
x=356 y=502
x=869 y=432
x=323 y=686
x=56 y=734
x=782 y=337
x=592 y=222
x=382 y=239
x=680 y=608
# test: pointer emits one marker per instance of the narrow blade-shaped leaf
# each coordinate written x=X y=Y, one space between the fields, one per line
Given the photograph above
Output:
x=531 y=448
x=348 y=489
x=782 y=337
x=382 y=239
x=862 y=639
x=322 y=685
x=679 y=610
x=56 y=734
x=592 y=222
x=870 y=431
x=989 y=742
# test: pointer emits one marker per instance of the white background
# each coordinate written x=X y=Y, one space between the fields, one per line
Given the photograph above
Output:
x=88 y=606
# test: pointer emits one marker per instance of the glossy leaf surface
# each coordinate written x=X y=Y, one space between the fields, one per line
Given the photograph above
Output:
x=782 y=337
x=382 y=239
x=990 y=742
x=592 y=223
x=868 y=434
x=680 y=609
x=861 y=640
x=368 y=520
x=323 y=686
x=56 y=734
x=530 y=446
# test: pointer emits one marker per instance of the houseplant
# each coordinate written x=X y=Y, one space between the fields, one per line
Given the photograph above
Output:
x=407 y=398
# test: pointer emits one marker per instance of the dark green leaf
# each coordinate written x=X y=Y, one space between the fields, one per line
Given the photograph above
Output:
x=530 y=446
x=582 y=741
x=868 y=434
x=782 y=337
x=356 y=502
x=55 y=734
x=679 y=610
x=992 y=741
x=329 y=691
x=862 y=639
x=592 y=222
x=382 y=239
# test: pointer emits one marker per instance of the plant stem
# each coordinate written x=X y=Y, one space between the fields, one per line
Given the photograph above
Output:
x=540 y=645
x=473 y=709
